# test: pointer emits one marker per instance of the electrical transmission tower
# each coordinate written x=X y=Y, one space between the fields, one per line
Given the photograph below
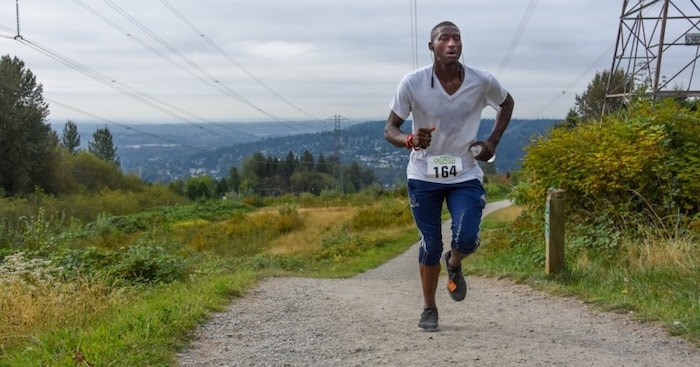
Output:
x=337 y=172
x=658 y=45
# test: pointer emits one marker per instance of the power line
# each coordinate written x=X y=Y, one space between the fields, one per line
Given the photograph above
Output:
x=524 y=21
x=576 y=80
x=127 y=127
x=213 y=80
x=208 y=78
x=158 y=53
x=218 y=48
x=114 y=84
x=146 y=99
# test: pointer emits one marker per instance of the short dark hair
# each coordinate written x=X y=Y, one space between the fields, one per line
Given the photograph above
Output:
x=436 y=30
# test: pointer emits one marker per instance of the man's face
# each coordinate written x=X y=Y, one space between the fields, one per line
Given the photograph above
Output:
x=447 y=45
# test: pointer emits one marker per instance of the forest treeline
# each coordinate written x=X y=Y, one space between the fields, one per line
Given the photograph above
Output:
x=272 y=176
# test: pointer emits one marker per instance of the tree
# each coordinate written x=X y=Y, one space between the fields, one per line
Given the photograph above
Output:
x=234 y=180
x=71 y=137
x=252 y=173
x=321 y=165
x=290 y=164
x=200 y=188
x=25 y=139
x=589 y=105
x=221 y=187
x=103 y=147
x=571 y=120
x=307 y=160
x=352 y=175
x=94 y=174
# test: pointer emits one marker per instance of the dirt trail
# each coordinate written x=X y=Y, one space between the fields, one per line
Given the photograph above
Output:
x=371 y=320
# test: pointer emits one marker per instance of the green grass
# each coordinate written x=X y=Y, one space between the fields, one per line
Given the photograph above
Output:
x=147 y=332
x=666 y=294
x=368 y=259
x=158 y=320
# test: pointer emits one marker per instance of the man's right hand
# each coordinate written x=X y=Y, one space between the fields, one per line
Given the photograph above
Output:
x=422 y=138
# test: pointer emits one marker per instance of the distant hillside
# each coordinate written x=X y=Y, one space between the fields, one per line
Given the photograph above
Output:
x=362 y=142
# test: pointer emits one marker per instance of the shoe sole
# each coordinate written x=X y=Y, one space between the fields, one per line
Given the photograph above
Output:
x=437 y=328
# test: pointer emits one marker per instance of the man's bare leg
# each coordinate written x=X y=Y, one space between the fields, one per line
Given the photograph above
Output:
x=429 y=276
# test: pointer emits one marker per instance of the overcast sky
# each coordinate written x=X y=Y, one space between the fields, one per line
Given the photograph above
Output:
x=293 y=60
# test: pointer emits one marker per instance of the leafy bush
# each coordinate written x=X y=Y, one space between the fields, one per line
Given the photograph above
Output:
x=88 y=261
x=139 y=263
x=148 y=264
x=340 y=244
x=95 y=174
x=645 y=160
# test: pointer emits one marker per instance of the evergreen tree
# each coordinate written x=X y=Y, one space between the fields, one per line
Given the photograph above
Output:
x=290 y=164
x=307 y=160
x=571 y=120
x=221 y=187
x=234 y=180
x=589 y=105
x=352 y=178
x=25 y=137
x=200 y=188
x=71 y=137
x=321 y=165
x=103 y=147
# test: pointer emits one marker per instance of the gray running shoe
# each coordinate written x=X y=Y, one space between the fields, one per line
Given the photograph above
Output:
x=429 y=320
x=456 y=284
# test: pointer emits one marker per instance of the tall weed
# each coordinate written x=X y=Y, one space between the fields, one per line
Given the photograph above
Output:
x=241 y=234
x=341 y=244
x=35 y=295
x=387 y=213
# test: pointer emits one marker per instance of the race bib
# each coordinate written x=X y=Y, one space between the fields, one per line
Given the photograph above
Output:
x=444 y=166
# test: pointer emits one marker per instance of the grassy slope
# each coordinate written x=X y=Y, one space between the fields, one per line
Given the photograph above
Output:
x=150 y=329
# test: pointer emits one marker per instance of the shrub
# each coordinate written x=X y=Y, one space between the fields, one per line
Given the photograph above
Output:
x=340 y=244
x=645 y=160
x=148 y=264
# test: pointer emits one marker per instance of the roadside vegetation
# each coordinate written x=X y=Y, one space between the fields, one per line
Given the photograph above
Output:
x=632 y=182
x=129 y=289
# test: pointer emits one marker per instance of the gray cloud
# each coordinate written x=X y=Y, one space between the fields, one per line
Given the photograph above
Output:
x=327 y=57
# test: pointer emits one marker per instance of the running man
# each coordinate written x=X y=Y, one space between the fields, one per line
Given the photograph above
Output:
x=445 y=100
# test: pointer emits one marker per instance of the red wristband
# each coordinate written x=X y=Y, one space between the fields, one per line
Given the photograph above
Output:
x=409 y=141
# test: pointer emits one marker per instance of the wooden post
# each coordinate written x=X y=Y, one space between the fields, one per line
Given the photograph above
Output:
x=554 y=231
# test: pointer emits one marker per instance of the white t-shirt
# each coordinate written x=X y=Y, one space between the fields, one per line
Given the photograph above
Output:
x=456 y=118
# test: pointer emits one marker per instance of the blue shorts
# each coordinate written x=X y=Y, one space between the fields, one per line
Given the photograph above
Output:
x=465 y=201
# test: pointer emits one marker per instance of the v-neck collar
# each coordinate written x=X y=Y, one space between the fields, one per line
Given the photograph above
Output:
x=442 y=88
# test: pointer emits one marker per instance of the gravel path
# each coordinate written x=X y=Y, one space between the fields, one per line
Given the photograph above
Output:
x=371 y=320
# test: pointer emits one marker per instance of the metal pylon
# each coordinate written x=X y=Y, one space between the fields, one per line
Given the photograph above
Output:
x=337 y=172
x=658 y=45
